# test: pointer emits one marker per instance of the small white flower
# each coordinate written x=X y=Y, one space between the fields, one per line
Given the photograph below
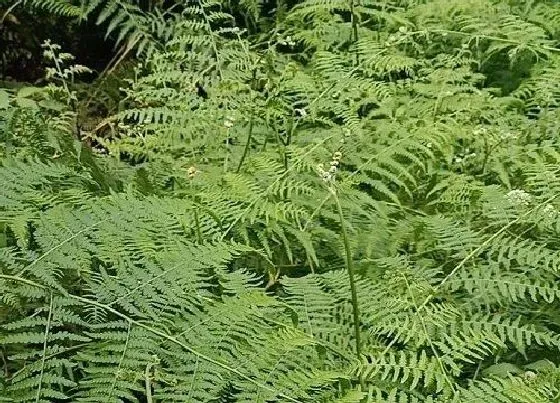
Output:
x=550 y=211
x=518 y=196
x=479 y=131
x=228 y=123
x=529 y=375
x=509 y=136
x=329 y=176
x=301 y=112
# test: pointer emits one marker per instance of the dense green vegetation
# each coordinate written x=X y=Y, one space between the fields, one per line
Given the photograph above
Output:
x=281 y=201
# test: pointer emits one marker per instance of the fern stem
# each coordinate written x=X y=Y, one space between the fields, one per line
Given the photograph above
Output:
x=43 y=358
x=4 y=364
x=247 y=145
x=354 y=21
x=191 y=388
x=428 y=338
x=289 y=136
x=121 y=360
x=350 y=269
x=226 y=159
x=197 y=223
x=196 y=216
x=9 y=10
x=148 y=383
x=251 y=124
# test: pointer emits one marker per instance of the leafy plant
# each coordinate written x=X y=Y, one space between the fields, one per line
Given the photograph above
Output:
x=210 y=254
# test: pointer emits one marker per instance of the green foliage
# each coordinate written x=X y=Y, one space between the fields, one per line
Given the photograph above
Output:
x=331 y=201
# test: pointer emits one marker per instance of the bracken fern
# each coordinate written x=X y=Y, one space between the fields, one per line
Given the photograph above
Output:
x=211 y=254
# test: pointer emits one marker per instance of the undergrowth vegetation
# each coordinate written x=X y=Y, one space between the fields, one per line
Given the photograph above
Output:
x=306 y=201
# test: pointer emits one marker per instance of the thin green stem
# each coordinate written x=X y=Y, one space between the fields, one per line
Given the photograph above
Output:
x=354 y=21
x=196 y=216
x=289 y=135
x=247 y=145
x=226 y=159
x=197 y=223
x=350 y=269
x=121 y=360
x=44 y=355
x=9 y=10
x=251 y=124
x=428 y=338
x=148 y=382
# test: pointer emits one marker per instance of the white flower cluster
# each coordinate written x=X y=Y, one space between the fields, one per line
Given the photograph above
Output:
x=397 y=36
x=301 y=112
x=509 y=136
x=346 y=133
x=518 y=196
x=460 y=158
x=329 y=175
x=504 y=135
x=288 y=41
x=530 y=375
x=549 y=211
x=191 y=172
x=51 y=51
x=480 y=131
x=228 y=123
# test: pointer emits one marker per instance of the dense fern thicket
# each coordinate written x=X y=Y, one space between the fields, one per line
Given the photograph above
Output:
x=292 y=201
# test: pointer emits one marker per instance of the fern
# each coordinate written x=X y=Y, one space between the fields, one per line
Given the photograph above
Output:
x=328 y=201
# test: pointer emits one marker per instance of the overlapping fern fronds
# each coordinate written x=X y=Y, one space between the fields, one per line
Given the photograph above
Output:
x=202 y=258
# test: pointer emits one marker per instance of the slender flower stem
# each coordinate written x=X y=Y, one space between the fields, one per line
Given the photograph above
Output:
x=196 y=217
x=197 y=223
x=350 y=268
